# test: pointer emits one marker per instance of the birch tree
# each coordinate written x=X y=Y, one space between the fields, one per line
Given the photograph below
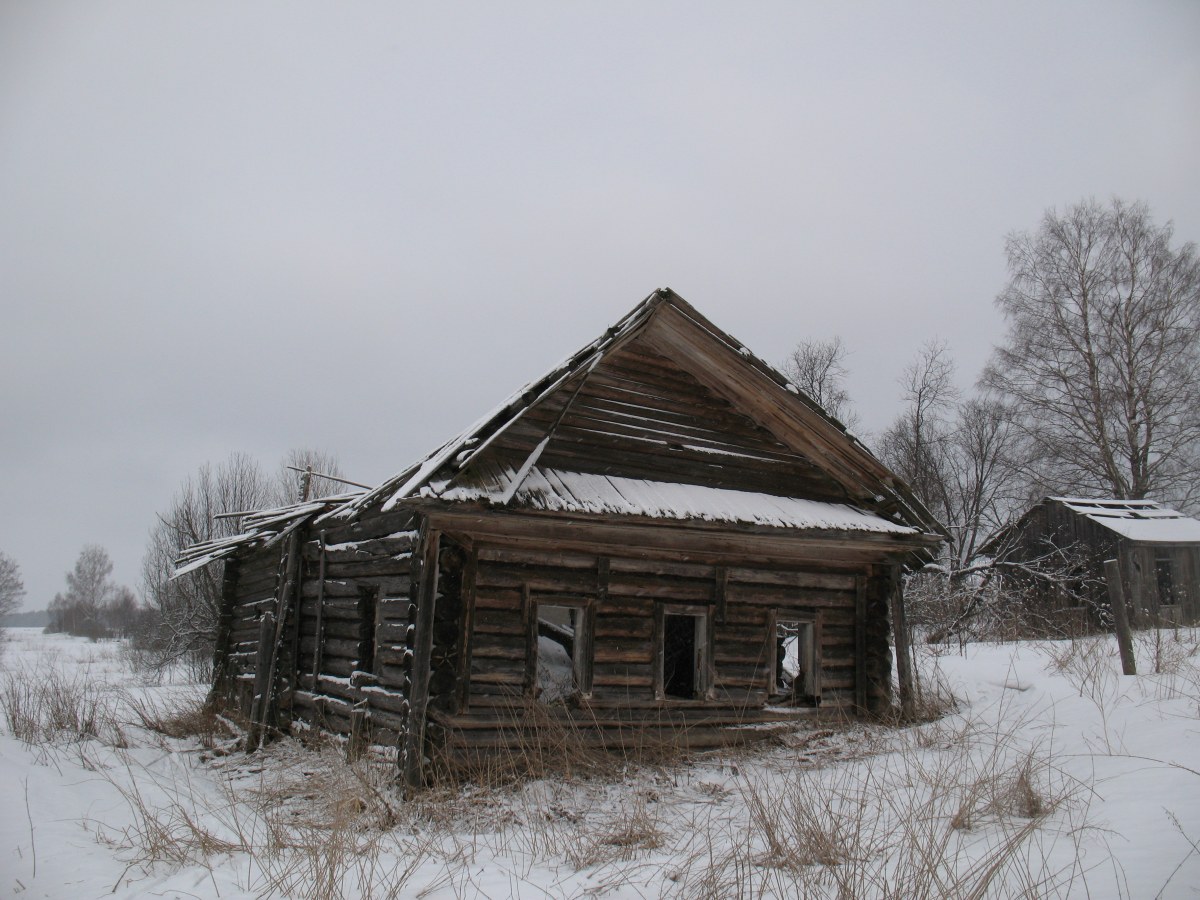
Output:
x=1101 y=363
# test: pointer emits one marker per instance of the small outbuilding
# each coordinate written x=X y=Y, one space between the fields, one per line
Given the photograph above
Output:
x=660 y=539
x=1157 y=549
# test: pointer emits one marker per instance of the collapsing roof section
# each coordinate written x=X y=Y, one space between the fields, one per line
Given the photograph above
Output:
x=260 y=528
x=527 y=452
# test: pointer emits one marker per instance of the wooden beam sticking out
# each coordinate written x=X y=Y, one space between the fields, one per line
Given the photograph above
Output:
x=290 y=589
x=413 y=757
x=1116 y=598
x=529 y=614
x=262 y=664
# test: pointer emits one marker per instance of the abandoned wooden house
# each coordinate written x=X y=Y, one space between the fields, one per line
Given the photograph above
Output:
x=661 y=536
x=1157 y=549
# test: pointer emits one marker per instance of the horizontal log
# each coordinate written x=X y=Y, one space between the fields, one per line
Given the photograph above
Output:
x=397 y=567
x=823 y=581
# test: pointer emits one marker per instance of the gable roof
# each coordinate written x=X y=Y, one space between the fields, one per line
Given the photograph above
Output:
x=666 y=325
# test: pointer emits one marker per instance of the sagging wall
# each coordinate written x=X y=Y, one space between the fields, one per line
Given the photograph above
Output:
x=344 y=648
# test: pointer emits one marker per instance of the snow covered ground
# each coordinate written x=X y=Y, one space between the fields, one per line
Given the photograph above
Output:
x=1055 y=777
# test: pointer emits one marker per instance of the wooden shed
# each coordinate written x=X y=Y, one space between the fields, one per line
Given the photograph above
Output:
x=659 y=537
x=1157 y=549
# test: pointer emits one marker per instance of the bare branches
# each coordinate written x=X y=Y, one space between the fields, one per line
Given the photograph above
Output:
x=1102 y=360
x=12 y=588
x=320 y=461
x=818 y=368
x=187 y=608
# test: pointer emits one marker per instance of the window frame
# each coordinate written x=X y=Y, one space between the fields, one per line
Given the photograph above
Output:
x=814 y=663
x=583 y=655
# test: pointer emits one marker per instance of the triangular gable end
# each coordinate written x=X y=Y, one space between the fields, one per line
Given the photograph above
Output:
x=665 y=395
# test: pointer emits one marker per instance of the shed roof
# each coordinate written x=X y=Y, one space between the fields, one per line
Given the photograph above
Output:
x=1137 y=520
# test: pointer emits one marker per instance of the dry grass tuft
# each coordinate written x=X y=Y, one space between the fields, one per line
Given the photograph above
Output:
x=184 y=717
x=45 y=706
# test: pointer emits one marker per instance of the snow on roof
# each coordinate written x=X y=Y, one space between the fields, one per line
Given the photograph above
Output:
x=260 y=527
x=1137 y=520
x=562 y=491
x=456 y=455
x=473 y=440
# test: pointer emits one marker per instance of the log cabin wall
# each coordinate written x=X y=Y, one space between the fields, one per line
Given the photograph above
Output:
x=1162 y=582
x=620 y=604
x=346 y=640
x=354 y=638
x=250 y=586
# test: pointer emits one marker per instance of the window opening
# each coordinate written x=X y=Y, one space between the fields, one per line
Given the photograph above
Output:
x=683 y=656
x=1166 y=583
x=795 y=663
x=559 y=660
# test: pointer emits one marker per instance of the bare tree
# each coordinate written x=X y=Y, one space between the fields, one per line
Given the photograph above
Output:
x=916 y=444
x=187 y=608
x=981 y=486
x=121 y=613
x=80 y=610
x=959 y=458
x=818 y=367
x=1101 y=364
x=12 y=588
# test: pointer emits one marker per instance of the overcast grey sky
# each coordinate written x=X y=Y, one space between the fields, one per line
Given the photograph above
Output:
x=356 y=227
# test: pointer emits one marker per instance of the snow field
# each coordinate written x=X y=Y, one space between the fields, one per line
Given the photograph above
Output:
x=1054 y=776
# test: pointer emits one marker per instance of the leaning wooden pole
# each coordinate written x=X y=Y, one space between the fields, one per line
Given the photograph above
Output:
x=1116 y=598
x=266 y=717
x=413 y=756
